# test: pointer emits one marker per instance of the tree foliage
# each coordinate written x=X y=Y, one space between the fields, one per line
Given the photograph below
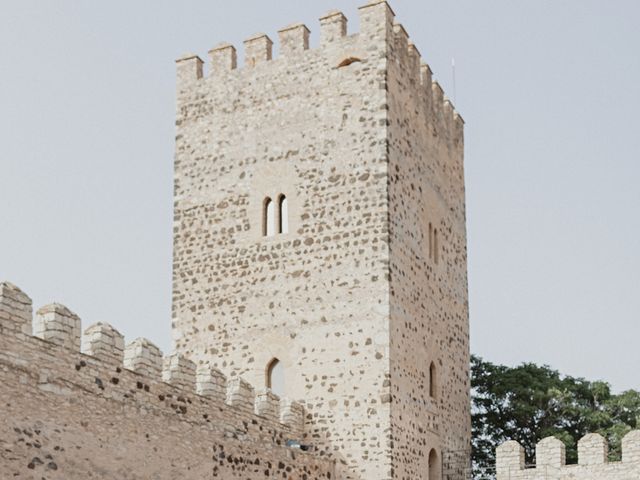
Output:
x=530 y=402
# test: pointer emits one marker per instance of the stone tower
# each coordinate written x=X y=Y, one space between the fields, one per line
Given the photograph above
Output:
x=320 y=226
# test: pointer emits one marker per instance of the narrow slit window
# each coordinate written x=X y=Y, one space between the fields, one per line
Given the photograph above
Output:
x=430 y=241
x=283 y=217
x=436 y=255
x=433 y=381
x=268 y=222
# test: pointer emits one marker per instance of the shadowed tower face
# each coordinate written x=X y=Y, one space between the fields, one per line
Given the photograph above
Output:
x=319 y=239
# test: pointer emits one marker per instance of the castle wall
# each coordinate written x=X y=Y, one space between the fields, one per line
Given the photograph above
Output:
x=551 y=464
x=67 y=414
x=428 y=271
x=317 y=297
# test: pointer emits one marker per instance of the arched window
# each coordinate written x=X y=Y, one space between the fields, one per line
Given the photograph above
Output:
x=283 y=214
x=434 y=465
x=275 y=377
x=268 y=220
x=433 y=381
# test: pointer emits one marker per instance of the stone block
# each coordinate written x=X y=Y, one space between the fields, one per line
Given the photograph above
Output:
x=16 y=310
x=179 y=371
x=57 y=324
x=142 y=356
x=103 y=341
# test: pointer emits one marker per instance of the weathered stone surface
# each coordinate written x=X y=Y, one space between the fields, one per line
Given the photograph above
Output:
x=211 y=382
x=57 y=324
x=319 y=220
x=366 y=294
x=143 y=357
x=67 y=415
x=179 y=371
x=103 y=341
x=16 y=310
x=593 y=463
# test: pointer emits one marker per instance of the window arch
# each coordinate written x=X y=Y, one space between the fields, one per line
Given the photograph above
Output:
x=274 y=378
x=283 y=214
x=434 y=465
x=433 y=381
x=268 y=220
x=348 y=61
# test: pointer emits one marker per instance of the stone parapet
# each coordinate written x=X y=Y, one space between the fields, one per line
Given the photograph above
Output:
x=550 y=464
x=377 y=25
x=59 y=325
x=106 y=365
x=16 y=309
x=102 y=341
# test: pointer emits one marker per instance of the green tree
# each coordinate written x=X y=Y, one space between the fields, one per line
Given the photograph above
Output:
x=530 y=402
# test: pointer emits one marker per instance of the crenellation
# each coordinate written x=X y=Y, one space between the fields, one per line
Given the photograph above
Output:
x=83 y=404
x=103 y=341
x=241 y=394
x=143 y=357
x=292 y=414
x=426 y=78
x=631 y=447
x=294 y=39
x=592 y=464
x=414 y=60
x=189 y=69
x=258 y=49
x=509 y=458
x=268 y=405
x=376 y=23
x=179 y=371
x=103 y=344
x=438 y=96
x=333 y=27
x=437 y=104
x=211 y=382
x=16 y=310
x=401 y=40
x=551 y=452
x=57 y=324
x=593 y=449
x=223 y=58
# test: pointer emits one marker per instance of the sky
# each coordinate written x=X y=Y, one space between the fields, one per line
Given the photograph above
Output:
x=550 y=92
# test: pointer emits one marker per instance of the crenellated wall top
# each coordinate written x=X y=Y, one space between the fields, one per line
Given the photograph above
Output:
x=58 y=327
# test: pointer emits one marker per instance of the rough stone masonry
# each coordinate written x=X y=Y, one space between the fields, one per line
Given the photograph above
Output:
x=319 y=226
x=363 y=300
x=593 y=460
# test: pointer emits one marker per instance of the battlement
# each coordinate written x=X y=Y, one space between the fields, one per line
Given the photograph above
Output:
x=293 y=41
x=379 y=37
x=104 y=354
x=551 y=460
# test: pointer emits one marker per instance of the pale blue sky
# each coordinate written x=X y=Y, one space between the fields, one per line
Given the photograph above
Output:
x=550 y=91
